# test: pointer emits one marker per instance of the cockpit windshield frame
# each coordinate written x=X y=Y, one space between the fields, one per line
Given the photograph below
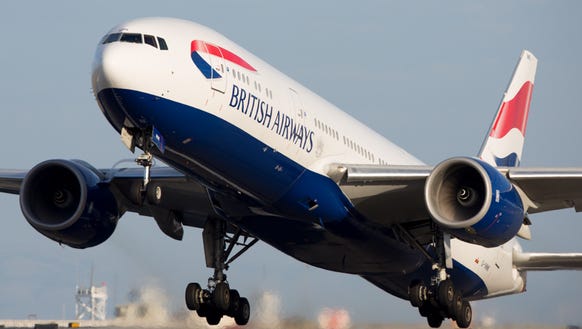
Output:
x=154 y=41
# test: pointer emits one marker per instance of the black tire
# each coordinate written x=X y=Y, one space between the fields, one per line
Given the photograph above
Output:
x=213 y=317
x=446 y=296
x=415 y=292
x=243 y=313
x=425 y=310
x=192 y=295
x=221 y=297
x=457 y=305
x=202 y=311
x=234 y=303
x=435 y=320
x=465 y=316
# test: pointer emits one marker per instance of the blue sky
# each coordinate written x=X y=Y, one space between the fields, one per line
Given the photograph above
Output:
x=427 y=75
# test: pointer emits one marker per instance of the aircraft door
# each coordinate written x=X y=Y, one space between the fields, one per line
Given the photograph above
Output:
x=219 y=74
x=297 y=113
x=297 y=106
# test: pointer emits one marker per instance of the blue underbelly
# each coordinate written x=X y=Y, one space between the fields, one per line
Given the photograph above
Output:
x=314 y=221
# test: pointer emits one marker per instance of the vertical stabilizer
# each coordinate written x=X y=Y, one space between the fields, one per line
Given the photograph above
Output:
x=504 y=142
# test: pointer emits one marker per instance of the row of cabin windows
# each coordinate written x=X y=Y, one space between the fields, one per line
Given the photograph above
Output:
x=360 y=149
x=348 y=142
x=137 y=38
x=241 y=76
x=327 y=129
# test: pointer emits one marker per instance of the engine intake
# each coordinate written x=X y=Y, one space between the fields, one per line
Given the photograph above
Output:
x=474 y=202
x=67 y=202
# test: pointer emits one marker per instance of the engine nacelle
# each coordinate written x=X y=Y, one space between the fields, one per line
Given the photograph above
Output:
x=474 y=202
x=65 y=201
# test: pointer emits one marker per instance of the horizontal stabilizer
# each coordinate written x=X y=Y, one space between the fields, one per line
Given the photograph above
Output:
x=547 y=261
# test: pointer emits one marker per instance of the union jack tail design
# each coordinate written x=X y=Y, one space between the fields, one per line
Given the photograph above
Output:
x=504 y=142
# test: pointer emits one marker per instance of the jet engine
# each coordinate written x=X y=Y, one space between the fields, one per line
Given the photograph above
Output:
x=474 y=202
x=68 y=202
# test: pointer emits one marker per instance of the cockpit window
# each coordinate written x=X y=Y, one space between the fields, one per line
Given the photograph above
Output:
x=112 y=38
x=131 y=37
x=136 y=38
x=150 y=40
x=162 y=42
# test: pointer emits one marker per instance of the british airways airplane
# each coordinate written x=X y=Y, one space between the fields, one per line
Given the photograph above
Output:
x=253 y=155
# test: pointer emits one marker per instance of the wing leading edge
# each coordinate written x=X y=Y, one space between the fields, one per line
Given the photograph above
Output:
x=547 y=261
x=10 y=180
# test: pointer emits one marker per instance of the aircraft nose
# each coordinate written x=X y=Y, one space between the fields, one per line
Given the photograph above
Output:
x=109 y=67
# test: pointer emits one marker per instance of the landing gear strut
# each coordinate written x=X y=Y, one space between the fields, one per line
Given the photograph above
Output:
x=440 y=299
x=218 y=299
x=143 y=138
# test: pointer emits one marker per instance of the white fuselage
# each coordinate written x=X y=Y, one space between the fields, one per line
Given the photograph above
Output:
x=264 y=103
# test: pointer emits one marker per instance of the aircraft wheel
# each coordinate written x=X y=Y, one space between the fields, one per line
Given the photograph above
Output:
x=465 y=316
x=221 y=296
x=435 y=320
x=234 y=303
x=242 y=315
x=415 y=293
x=213 y=317
x=202 y=311
x=446 y=294
x=192 y=293
x=425 y=310
x=457 y=305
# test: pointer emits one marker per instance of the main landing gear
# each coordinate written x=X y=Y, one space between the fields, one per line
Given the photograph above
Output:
x=218 y=299
x=440 y=299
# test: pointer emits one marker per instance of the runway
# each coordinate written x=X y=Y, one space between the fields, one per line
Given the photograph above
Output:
x=284 y=324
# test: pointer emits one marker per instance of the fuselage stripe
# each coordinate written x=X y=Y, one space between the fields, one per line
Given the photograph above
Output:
x=208 y=48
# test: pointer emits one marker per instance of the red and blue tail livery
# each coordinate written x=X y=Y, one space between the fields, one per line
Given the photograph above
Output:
x=504 y=143
x=199 y=47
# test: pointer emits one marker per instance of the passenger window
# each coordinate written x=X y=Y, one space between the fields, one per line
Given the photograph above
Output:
x=150 y=40
x=131 y=37
x=112 y=38
x=162 y=42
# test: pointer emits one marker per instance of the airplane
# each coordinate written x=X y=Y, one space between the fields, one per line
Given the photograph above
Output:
x=252 y=155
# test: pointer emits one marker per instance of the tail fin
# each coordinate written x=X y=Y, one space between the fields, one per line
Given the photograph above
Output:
x=504 y=142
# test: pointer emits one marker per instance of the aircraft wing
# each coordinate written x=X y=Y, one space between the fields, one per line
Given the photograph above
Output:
x=372 y=187
x=10 y=180
x=547 y=261
x=182 y=196
x=549 y=188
